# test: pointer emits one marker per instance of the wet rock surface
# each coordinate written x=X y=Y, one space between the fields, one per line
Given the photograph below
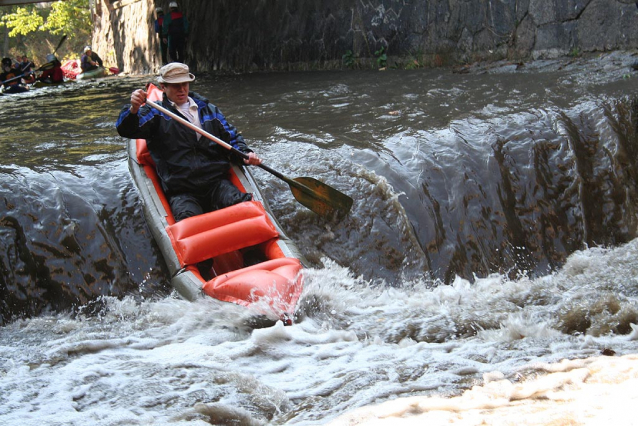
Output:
x=292 y=34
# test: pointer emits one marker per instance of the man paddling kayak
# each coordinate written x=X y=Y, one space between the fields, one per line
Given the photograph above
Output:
x=55 y=74
x=90 y=60
x=193 y=170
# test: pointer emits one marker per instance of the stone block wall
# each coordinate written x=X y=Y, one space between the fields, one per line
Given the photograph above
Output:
x=251 y=35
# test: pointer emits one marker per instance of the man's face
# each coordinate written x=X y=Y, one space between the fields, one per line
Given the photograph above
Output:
x=177 y=92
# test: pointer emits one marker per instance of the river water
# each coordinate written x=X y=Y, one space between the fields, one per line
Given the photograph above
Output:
x=493 y=232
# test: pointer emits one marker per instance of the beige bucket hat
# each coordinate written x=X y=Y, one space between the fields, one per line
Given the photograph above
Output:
x=175 y=72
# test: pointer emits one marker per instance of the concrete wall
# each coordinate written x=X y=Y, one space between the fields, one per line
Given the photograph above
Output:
x=312 y=34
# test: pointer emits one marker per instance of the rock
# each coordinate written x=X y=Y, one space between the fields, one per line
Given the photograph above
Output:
x=301 y=34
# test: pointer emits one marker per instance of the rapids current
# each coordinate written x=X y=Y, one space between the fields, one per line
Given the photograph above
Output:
x=494 y=223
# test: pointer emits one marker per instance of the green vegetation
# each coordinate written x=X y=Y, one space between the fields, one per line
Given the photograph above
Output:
x=35 y=29
x=382 y=58
x=413 y=64
x=348 y=59
x=415 y=61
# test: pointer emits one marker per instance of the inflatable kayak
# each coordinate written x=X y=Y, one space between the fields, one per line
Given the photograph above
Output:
x=13 y=89
x=71 y=69
x=253 y=261
x=38 y=84
x=96 y=73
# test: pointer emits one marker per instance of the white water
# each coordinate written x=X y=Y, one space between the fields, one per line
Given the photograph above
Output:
x=175 y=362
x=479 y=353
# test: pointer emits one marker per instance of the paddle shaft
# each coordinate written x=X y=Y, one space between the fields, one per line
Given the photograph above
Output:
x=315 y=195
x=214 y=139
x=29 y=63
x=197 y=129
x=60 y=44
x=17 y=77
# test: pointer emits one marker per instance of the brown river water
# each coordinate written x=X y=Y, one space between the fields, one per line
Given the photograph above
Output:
x=493 y=234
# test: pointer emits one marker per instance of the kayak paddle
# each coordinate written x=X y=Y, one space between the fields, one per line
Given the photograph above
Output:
x=59 y=44
x=17 y=77
x=315 y=195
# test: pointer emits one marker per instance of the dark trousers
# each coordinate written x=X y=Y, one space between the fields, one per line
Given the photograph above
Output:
x=222 y=194
x=164 y=51
x=176 y=46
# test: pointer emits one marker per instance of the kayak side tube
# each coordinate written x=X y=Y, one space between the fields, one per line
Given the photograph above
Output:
x=156 y=215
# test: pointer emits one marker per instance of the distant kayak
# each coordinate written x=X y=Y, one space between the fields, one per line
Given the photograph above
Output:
x=71 y=69
x=7 y=90
x=49 y=83
x=96 y=73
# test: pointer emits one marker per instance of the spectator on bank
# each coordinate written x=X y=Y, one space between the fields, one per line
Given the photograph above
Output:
x=175 y=31
x=158 y=30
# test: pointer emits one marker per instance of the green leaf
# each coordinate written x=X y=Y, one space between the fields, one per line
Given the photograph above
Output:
x=23 y=21
x=67 y=17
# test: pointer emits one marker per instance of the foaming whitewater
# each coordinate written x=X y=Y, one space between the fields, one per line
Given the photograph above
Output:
x=355 y=344
x=492 y=236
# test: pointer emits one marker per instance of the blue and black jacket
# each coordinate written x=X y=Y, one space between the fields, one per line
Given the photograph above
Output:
x=184 y=163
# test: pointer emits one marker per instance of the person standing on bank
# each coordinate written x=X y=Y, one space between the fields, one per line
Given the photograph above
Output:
x=90 y=60
x=175 y=31
x=193 y=170
x=158 y=30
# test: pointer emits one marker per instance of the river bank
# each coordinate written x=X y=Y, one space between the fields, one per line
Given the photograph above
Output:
x=623 y=63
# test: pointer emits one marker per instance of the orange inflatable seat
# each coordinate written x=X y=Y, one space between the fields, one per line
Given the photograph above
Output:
x=222 y=231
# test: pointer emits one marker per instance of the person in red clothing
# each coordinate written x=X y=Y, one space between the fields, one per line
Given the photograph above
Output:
x=175 y=32
x=55 y=74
